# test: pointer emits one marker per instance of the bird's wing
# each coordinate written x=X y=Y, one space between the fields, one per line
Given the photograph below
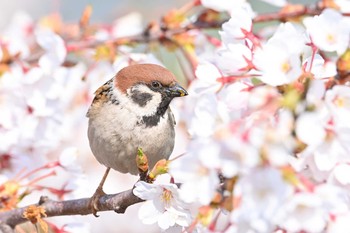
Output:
x=101 y=94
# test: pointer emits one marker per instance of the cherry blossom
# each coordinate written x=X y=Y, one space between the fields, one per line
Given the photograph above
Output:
x=53 y=46
x=309 y=212
x=344 y=5
x=198 y=172
x=208 y=74
x=279 y=61
x=162 y=206
x=339 y=224
x=261 y=193
x=234 y=99
x=277 y=65
x=233 y=59
x=340 y=176
x=221 y=5
x=334 y=33
x=311 y=128
x=204 y=110
x=237 y=27
x=68 y=159
x=16 y=37
x=320 y=68
x=303 y=212
x=338 y=102
x=129 y=25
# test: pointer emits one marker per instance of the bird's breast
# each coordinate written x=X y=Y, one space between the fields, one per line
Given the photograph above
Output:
x=115 y=143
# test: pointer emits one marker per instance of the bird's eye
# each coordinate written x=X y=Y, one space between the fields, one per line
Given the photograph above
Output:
x=156 y=84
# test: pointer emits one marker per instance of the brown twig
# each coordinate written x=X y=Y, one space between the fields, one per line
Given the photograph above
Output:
x=280 y=16
x=118 y=202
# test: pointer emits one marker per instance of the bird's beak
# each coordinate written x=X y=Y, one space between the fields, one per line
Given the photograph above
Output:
x=176 y=91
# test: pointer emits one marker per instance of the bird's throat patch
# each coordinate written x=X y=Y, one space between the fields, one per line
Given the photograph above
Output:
x=151 y=121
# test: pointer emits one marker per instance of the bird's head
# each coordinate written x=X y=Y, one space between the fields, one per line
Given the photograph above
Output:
x=150 y=87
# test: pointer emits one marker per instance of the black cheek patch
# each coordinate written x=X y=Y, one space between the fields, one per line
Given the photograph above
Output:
x=140 y=98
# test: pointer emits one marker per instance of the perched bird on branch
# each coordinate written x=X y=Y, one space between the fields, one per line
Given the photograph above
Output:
x=131 y=111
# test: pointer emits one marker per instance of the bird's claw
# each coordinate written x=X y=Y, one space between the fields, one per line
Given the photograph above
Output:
x=94 y=201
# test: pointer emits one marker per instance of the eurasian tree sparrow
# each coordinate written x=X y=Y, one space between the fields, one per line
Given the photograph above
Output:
x=131 y=111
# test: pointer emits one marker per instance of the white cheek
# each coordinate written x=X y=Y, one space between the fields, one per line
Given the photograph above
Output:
x=149 y=109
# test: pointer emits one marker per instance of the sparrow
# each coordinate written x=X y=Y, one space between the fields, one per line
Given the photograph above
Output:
x=131 y=111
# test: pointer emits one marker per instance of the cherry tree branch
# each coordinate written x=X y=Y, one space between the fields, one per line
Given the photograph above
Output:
x=118 y=202
x=5 y=228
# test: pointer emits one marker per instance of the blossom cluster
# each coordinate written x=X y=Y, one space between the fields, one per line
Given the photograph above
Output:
x=266 y=119
x=267 y=116
x=269 y=148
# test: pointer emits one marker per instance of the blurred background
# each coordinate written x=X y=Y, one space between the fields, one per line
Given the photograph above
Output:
x=103 y=11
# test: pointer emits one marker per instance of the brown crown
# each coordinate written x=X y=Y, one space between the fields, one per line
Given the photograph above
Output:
x=143 y=73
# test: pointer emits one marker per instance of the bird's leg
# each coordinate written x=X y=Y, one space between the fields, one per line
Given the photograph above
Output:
x=94 y=200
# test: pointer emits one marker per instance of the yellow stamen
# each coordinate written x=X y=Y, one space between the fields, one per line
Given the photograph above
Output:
x=331 y=39
x=166 y=196
x=286 y=67
x=340 y=102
